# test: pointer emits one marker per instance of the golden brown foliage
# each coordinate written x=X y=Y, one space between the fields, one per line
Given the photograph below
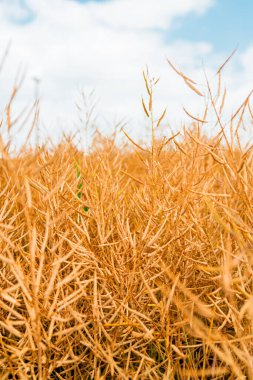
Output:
x=120 y=266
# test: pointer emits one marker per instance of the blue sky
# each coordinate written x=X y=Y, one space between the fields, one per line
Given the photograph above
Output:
x=225 y=25
x=75 y=45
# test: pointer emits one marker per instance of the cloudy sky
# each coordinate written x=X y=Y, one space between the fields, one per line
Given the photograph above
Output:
x=74 y=46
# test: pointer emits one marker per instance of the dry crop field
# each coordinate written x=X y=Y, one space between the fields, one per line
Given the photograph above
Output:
x=129 y=262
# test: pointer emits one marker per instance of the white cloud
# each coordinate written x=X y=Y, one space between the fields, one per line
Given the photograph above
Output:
x=15 y=10
x=71 y=46
x=145 y=14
